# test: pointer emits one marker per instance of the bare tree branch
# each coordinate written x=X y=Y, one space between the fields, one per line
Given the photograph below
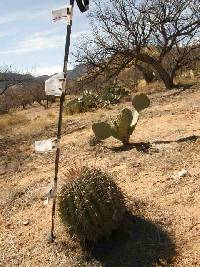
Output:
x=162 y=34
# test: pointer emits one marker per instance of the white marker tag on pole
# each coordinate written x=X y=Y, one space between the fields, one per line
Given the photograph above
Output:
x=43 y=146
x=53 y=86
x=50 y=195
x=63 y=14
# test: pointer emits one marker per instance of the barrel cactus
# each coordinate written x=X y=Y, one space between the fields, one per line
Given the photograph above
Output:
x=125 y=123
x=91 y=204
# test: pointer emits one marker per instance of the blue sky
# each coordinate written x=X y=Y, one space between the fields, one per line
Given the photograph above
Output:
x=30 y=41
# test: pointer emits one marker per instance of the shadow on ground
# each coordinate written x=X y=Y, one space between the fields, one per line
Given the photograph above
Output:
x=141 y=147
x=146 y=147
x=143 y=244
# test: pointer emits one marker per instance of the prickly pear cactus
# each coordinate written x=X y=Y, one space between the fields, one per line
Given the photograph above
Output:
x=82 y=104
x=112 y=94
x=124 y=125
x=90 y=100
x=91 y=204
x=102 y=130
x=121 y=129
x=140 y=102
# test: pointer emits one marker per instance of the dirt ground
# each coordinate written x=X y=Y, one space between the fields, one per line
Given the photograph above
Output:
x=165 y=227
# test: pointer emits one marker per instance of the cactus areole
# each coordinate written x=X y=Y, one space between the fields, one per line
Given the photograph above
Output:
x=83 y=6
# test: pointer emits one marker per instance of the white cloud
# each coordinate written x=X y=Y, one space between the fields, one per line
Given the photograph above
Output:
x=49 y=39
x=3 y=34
x=48 y=70
x=37 y=41
x=24 y=16
x=41 y=11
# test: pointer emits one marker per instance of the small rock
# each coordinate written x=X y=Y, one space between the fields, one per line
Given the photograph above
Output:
x=182 y=173
x=25 y=223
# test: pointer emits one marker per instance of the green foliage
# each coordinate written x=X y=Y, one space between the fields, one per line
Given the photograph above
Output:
x=82 y=104
x=125 y=123
x=91 y=205
x=89 y=100
x=121 y=129
x=74 y=106
x=112 y=94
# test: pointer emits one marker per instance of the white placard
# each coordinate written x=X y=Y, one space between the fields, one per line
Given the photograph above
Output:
x=43 y=146
x=50 y=195
x=53 y=86
x=62 y=14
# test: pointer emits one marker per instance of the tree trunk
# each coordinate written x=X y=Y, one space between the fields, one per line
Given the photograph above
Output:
x=147 y=74
x=164 y=75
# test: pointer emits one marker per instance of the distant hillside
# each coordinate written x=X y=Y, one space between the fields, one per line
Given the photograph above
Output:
x=77 y=72
x=72 y=74
x=43 y=77
x=2 y=86
x=9 y=78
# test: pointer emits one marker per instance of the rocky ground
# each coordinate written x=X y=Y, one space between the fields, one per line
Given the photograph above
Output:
x=165 y=230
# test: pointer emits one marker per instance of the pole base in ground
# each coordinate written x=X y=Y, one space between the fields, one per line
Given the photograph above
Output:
x=50 y=237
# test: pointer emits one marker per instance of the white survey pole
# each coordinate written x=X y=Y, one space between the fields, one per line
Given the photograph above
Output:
x=51 y=237
x=67 y=15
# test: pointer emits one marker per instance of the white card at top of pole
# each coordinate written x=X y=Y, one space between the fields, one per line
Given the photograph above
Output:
x=64 y=14
x=53 y=86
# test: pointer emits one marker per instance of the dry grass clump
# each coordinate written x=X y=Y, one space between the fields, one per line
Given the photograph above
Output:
x=37 y=126
x=51 y=115
x=9 y=120
x=145 y=87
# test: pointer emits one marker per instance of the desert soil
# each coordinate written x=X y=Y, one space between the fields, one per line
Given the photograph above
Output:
x=166 y=231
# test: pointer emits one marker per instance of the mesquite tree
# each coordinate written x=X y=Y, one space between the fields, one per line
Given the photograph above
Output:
x=163 y=34
x=18 y=89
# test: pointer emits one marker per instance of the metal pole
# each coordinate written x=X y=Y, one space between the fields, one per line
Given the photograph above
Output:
x=51 y=238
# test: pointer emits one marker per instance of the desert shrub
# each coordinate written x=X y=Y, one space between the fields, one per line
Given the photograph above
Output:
x=74 y=106
x=109 y=95
x=82 y=104
x=5 y=105
x=91 y=204
x=21 y=95
x=90 y=100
